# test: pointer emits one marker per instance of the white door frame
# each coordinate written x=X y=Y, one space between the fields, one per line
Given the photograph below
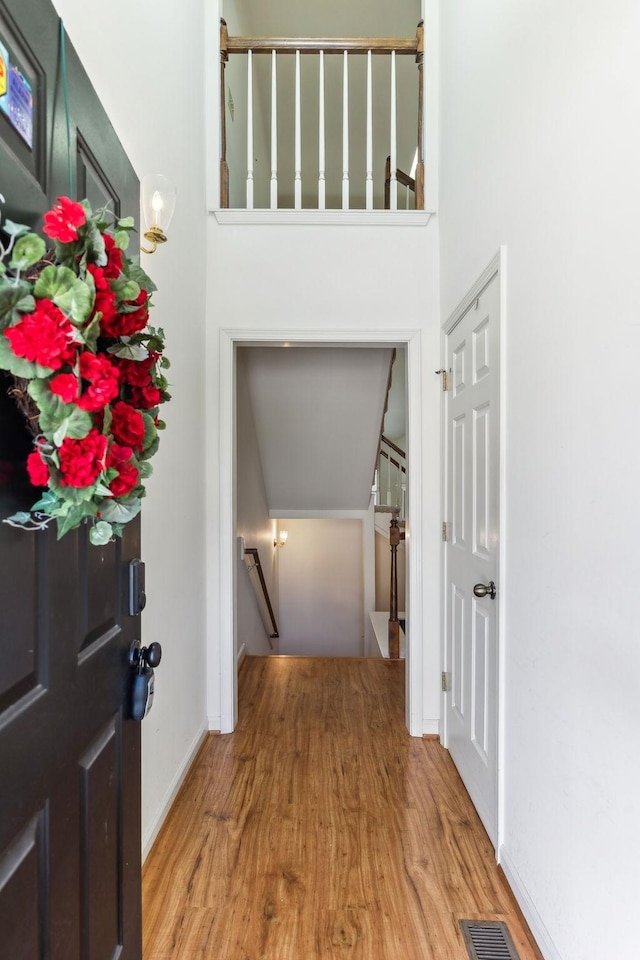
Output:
x=229 y=340
x=497 y=266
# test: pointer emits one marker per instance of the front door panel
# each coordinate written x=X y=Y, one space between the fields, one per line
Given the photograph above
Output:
x=69 y=755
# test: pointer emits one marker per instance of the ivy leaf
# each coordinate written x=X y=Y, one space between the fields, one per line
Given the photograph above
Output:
x=17 y=365
x=130 y=351
x=100 y=533
x=144 y=281
x=122 y=239
x=74 y=517
x=20 y=517
x=92 y=332
x=15 y=229
x=27 y=251
x=127 y=223
x=15 y=299
x=119 y=511
x=46 y=503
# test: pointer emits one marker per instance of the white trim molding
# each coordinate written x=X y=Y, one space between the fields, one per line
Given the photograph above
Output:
x=540 y=933
x=314 y=218
x=412 y=341
x=151 y=834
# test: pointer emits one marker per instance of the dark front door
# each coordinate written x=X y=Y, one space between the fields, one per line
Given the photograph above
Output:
x=69 y=757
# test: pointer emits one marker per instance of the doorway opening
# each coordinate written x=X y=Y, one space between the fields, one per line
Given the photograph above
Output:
x=232 y=341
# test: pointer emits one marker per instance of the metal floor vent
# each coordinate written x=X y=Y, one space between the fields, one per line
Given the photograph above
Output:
x=488 y=940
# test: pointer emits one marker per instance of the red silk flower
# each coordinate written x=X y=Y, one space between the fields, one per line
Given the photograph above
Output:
x=102 y=375
x=127 y=426
x=66 y=386
x=45 y=337
x=113 y=268
x=119 y=458
x=81 y=461
x=62 y=221
x=37 y=469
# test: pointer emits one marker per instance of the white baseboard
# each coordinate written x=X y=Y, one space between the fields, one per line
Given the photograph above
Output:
x=150 y=835
x=430 y=727
x=540 y=933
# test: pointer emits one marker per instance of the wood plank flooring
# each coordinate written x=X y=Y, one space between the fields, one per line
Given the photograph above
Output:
x=320 y=829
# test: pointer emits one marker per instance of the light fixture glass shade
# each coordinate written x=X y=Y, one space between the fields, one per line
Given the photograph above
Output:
x=158 y=200
x=283 y=536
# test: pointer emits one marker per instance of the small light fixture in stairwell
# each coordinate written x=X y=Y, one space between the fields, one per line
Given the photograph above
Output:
x=158 y=200
x=281 y=539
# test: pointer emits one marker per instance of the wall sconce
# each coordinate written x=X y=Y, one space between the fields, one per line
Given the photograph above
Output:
x=283 y=536
x=158 y=199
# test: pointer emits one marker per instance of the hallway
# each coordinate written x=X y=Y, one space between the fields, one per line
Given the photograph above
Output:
x=320 y=829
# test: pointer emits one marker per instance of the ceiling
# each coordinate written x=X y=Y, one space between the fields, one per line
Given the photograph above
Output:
x=329 y=18
x=318 y=413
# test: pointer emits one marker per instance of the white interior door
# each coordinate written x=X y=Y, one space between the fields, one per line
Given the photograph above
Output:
x=473 y=355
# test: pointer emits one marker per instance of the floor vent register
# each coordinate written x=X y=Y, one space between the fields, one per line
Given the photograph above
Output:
x=488 y=940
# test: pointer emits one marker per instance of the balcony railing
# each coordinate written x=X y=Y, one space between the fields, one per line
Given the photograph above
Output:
x=287 y=129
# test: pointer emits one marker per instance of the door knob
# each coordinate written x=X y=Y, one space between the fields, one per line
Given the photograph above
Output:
x=483 y=590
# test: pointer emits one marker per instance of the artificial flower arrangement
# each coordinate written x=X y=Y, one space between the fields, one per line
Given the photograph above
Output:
x=87 y=368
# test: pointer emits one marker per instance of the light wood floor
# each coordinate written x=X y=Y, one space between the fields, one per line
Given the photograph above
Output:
x=320 y=829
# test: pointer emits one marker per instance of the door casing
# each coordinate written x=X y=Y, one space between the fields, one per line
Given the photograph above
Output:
x=496 y=267
x=222 y=554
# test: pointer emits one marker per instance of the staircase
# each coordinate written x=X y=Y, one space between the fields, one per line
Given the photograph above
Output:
x=390 y=497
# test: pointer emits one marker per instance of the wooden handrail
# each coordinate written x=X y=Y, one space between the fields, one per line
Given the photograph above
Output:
x=403 y=46
x=252 y=551
x=403 y=178
x=394 y=446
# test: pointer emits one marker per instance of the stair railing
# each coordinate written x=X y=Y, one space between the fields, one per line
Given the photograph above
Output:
x=390 y=481
x=258 y=582
x=345 y=47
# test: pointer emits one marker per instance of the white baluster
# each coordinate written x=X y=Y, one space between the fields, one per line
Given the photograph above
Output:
x=389 y=479
x=297 y=186
x=321 y=147
x=250 y=130
x=369 y=183
x=392 y=151
x=345 y=132
x=274 y=133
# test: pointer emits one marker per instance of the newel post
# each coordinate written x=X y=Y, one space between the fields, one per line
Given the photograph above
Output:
x=224 y=168
x=394 y=623
x=420 y=167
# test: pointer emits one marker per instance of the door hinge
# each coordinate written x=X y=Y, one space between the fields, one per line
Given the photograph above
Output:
x=445 y=531
x=445 y=379
x=445 y=682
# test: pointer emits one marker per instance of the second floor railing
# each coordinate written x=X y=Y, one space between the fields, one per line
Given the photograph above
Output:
x=356 y=185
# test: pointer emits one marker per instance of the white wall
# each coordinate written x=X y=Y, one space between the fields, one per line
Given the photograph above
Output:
x=152 y=86
x=541 y=151
x=253 y=523
x=322 y=589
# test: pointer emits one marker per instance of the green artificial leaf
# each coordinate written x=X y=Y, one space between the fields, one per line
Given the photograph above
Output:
x=15 y=229
x=122 y=239
x=119 y=511
x=146 y=469
x=125 y=289
x=151 y=450
x=150 y=432
x=71 y=496
x=100 y=533
x=15 y=299
x=74 y=517
x=108 y=417
x=102 y=490
x=160 y=425
x=17 y=365
x=117 y=529
x=127 y=223
x=129 y=351
x=144 y=281
x=165 y=363
x=94 y=244
x=28 y=250
x=91 y=333
x=71 y=294
x=58 y=419
x=46 y=504
x=20 y=517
